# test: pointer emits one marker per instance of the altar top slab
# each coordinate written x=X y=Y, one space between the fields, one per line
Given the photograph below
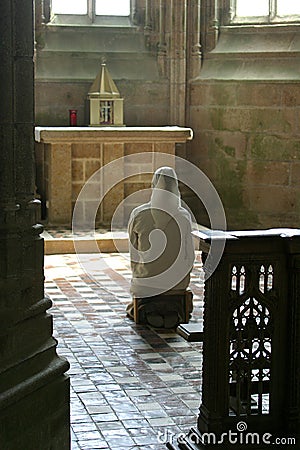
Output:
x=92 y=134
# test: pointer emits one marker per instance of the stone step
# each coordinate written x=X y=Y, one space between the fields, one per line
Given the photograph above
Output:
x=107 y=243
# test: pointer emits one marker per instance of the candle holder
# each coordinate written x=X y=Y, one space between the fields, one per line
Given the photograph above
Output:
x=73 y=117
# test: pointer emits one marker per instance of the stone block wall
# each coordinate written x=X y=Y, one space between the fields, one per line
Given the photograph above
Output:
x=247 y=141
x=88 y=158
x=145 y=102
x=68 y=59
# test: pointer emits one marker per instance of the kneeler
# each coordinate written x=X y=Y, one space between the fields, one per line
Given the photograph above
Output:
x=179 y=301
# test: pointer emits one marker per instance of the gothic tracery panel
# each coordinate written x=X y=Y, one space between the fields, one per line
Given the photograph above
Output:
x=250 y=351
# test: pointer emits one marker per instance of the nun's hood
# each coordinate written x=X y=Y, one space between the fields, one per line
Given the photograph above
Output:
x=166 y=178
x=165 y=198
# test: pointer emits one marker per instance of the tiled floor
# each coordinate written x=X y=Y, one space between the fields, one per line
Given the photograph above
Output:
x=132 y=387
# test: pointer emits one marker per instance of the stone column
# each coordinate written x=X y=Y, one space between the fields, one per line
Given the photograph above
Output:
x=46 y=10
x=152 y=23
x=162 y=46
x=177 y=61
x=34 y=391
x=193 y=38
x=209 y=24
x=193 y=59
x=148 y=18
x=138 y=12
x=39 y=22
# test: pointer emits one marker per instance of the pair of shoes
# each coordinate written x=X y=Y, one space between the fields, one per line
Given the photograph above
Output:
x=155 y=320
x=171 y=320
x=130 y=311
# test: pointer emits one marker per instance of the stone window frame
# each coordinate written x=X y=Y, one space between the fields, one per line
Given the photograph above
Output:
x=230 y=17
x=226 y=43
x=91 y=18
x=219 y=15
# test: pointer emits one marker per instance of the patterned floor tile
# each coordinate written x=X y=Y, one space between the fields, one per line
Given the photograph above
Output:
x=130 y=384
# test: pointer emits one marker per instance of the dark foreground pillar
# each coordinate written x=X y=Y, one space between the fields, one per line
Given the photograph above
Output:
x=251 y=347
x=34 y=390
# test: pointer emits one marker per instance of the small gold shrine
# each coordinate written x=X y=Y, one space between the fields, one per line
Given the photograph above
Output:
x=106 y=104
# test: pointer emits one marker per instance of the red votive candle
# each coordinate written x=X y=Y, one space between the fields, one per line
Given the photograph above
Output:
x=73 y=117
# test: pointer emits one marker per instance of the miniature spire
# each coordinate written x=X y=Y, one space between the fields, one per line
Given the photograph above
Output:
x=104 y=84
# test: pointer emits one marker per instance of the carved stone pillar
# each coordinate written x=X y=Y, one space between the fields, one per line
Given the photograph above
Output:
x=162 y=46
x=148 y=18
x=34 y=391
x=46 y=11
x=194 y=47
x=209 y=24
x=177 y=10
x=39 y=22
x=152 y=23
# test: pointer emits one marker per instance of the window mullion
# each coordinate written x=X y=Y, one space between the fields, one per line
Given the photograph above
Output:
x=272 y=9
x=232 y=10
x=91 y=4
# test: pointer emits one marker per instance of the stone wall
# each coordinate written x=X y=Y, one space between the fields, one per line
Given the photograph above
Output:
x=68 y=59
x=247 y=140
x=145 y=102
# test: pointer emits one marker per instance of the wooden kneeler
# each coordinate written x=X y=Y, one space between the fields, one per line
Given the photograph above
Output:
x=186 y=295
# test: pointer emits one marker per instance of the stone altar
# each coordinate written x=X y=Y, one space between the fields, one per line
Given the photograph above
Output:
x=67 y=156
